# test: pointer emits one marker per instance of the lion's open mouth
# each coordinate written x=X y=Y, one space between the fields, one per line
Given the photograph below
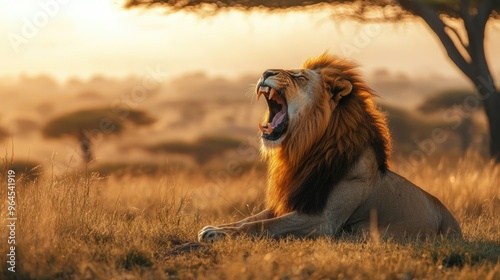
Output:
x=278 y=117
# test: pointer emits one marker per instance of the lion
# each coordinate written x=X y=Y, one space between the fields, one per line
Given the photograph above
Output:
x=328 y=151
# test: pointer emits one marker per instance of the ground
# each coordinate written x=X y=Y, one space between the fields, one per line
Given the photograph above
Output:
x=85 y=226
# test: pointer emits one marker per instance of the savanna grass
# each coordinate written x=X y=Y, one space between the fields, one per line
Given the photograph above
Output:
x=84 y=226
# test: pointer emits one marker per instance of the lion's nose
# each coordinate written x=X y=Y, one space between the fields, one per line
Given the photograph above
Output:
x=268 y=73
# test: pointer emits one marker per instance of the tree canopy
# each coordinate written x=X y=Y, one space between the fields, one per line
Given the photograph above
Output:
x=465 y=50
x=73 y=123
x=366 y=10
x=89 y=124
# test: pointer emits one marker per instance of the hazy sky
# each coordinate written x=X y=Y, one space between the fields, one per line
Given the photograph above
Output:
x=68 y=38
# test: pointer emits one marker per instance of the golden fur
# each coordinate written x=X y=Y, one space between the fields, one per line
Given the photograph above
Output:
x=332 y=141
x=329 y=162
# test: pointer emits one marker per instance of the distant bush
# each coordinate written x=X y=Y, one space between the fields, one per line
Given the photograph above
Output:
x=445 y=100
x=407 y=128
x=459 y=102
x=202 y=150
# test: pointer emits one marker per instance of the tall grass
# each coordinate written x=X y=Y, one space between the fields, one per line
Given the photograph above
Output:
x=84 y=226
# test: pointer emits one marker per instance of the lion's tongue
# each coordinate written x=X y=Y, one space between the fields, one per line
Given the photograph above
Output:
x=278 y=118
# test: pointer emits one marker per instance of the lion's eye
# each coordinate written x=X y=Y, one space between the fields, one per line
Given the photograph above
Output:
x=297 y=75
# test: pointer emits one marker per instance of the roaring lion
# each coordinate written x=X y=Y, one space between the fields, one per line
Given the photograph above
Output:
x=328 y=149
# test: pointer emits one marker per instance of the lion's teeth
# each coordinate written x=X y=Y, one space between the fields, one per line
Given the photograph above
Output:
x=269 y=128
x=261 y=128
x=264 y=89
x=266 y=129
x=259 y=94
x=271 y=94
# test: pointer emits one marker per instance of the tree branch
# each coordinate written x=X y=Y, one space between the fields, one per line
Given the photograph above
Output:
x=437 y=25
x=476 y=32
x=463 y=44
x=484 y=10
x=464 y=12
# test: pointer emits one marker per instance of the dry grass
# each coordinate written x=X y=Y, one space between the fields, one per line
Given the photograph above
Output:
x=86 y=227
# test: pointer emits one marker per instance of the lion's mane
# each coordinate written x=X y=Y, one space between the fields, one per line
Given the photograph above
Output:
x=307 y=166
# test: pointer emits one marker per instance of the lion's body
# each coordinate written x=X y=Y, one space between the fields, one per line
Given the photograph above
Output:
x=393 y=204
x=328 y=150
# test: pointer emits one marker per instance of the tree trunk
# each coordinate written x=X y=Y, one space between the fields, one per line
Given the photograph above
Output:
x=86 y=147
x=475 y=26
x=492 y=108
x=475 y=66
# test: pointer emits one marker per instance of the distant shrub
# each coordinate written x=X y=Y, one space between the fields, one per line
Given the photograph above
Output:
x=445 y=100
x=409 y=128
x=462 y=103
x=202 y=150
x=406 y=126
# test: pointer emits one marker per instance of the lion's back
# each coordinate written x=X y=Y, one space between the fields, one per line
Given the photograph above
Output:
x=403 y=209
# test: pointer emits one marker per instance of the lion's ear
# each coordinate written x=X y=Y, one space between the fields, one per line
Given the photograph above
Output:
x=335 y=84
x=340 y=89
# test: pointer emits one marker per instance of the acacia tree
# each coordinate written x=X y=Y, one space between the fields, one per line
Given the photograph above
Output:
x=89 y=126
x=458 y=24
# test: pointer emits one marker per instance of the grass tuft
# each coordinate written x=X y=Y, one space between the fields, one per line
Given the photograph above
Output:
x=135 y=258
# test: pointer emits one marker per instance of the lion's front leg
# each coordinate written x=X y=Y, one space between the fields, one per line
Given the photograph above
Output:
x=295 y=224
x=291 y=224
x=213 y=233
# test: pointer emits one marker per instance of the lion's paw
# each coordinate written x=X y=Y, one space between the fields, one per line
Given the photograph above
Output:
x=212 y=234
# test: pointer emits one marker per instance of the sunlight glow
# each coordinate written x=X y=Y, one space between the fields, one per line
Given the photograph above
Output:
x=64 y=38
x=94 y=15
